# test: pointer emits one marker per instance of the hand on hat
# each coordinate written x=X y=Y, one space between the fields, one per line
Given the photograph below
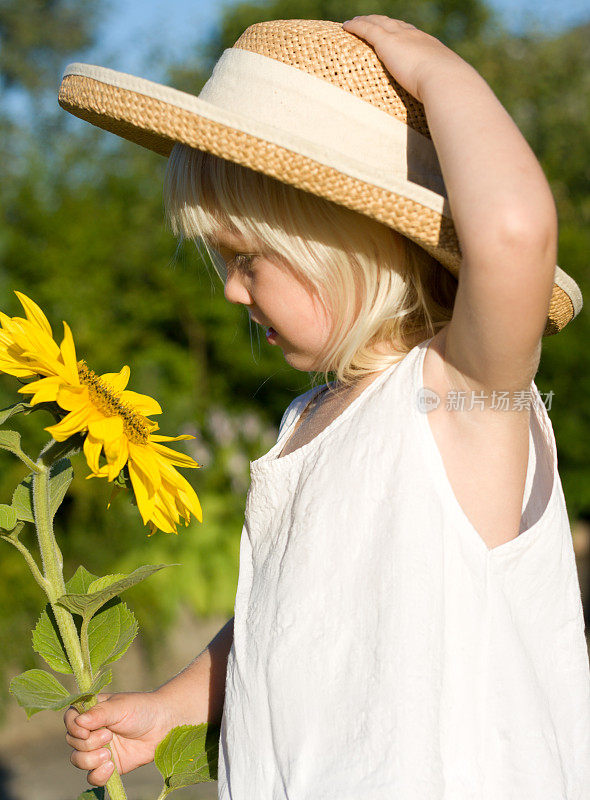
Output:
x=409 y=54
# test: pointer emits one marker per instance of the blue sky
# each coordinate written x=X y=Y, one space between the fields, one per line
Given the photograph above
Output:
x=130 y=28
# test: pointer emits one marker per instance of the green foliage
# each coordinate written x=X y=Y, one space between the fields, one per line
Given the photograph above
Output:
x=100 y=590
x=37 y=690
x=62 y=475
x=22 y=500
x=8 y=518
x=82 y=233
x=35 y=33
x=92 y=794
x=15 y=408
x=10 y=441
x=188 y=755
x=110 y=633
x=47 y=642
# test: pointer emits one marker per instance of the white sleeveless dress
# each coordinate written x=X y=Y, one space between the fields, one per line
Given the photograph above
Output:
x=381 y=651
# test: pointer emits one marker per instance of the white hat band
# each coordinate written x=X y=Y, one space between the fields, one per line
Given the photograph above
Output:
x=282 y=104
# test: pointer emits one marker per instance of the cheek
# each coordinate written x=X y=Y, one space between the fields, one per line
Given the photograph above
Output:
x=325 y=319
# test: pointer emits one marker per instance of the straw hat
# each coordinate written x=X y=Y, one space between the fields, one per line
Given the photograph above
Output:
x=310 y=104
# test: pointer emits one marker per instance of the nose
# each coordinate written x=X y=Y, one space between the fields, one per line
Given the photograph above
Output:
x=235 y=290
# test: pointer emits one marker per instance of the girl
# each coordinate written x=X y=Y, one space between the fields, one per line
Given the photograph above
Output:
x=408 y=621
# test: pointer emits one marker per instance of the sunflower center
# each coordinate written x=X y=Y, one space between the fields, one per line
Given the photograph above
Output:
x=108 y=402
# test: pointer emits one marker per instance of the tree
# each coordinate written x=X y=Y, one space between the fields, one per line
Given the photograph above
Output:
x=34 y=34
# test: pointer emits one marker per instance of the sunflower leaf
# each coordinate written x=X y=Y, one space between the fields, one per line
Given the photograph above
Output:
x=61 y=477
x=10 y=440
x=92 y=794
x=57 y=451
x=22 y=500
x=105 y=582
x=13 y=534
x=88 y=604
x=80 y=580
x=8 y=518
x=110 y=633
x=48 y=642
x=16 y=408
x=37 y=690
x=100 y=681
x=188 y=755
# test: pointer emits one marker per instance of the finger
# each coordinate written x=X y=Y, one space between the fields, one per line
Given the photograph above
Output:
x=90 y=760
x=72 y=726
x=374 y=23
x=365 y=28
x=99 y=716
x=95 y=740
x=379 y=19
x=99 y=776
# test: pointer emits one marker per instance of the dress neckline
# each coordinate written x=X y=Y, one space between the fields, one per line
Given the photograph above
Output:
x=271 y=458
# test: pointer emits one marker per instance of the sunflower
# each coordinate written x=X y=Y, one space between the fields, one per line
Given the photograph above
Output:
x=115 y=420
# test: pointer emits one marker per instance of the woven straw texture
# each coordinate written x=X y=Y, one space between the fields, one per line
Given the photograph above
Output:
x=325 y=50
x=320 y=48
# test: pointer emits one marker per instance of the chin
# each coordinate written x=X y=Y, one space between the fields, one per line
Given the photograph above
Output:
x=301 y=362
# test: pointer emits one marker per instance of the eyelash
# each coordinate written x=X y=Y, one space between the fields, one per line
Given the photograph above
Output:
x=241 y=260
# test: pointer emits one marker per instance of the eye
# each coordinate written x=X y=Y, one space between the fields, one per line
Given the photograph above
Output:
x=241 y=261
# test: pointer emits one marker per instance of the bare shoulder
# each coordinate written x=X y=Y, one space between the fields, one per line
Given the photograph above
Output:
x=484 y=449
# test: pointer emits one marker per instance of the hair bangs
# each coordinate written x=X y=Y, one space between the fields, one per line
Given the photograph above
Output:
x=383 y=291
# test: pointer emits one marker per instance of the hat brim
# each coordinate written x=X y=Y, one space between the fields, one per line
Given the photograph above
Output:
x=155 y=117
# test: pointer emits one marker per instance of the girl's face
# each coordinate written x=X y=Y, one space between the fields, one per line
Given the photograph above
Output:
x=293 y=316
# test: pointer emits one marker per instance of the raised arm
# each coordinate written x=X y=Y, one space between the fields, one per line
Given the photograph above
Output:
x=502 y=207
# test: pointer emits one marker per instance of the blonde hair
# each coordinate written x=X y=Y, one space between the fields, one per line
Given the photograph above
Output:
x=379 y=286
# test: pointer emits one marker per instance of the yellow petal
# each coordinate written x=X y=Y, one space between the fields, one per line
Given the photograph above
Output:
x=68 y=354
x=74 y=422
x=34 y=313
x=35 y=345
x=44 y=390
x=143 y=457
x=158 y=438
x=145 y=503
x=101 y=473
x=106 y=428
x=92 y=449
x=11 y=367
x=142 y=403
x=183 y=490
x=163 y=520
x=71 y=397
x=178 y=459
x=116 y=453
x=189 y=499
x=117 y=381
x=166 y=503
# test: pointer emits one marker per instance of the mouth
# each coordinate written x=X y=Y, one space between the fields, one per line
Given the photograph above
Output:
x=269 y=331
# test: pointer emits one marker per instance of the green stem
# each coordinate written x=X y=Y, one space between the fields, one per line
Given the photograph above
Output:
x=164 y=793
x=28 y=461
x=53 y=575
x=44 y=584
x=85 y=644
